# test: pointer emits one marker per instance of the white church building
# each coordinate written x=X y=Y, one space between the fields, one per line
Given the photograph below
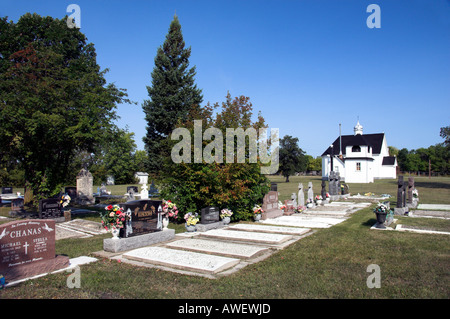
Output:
x=360 y=158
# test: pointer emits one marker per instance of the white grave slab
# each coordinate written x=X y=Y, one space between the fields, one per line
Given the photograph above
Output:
x=337 y=213
x=219 y=247
x=314 y=222
x=179 y=259
x=270 y=229
x=262 y=238
x=434 y=207
x=320 y=219
x=339 y=204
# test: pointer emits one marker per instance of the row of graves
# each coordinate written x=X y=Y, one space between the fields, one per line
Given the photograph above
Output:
x=27 y=245
x=336 y=191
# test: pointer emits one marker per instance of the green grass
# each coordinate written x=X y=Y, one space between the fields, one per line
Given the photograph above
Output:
x=331 y=263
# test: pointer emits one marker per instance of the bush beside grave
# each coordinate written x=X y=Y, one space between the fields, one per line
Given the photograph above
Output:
x=236 y=186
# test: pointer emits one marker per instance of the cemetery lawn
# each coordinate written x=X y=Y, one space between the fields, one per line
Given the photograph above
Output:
x=331 y=263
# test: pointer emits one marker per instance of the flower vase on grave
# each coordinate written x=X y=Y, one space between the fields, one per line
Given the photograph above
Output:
x=115 y=232
x=257 y=217
x=165 y=222
x=226 y=220
x=190 y=228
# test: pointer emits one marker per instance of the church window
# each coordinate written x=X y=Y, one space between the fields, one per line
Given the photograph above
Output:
x=356 y=148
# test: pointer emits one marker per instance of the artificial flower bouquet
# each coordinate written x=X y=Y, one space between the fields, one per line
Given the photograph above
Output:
x=191 y=219
x=170 y=209
x=257 y=210
x=113 y=217
x=225 y=213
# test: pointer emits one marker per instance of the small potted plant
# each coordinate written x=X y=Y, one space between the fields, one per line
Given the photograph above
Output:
x=281 y=206
x=191 y=220
x=113 y=219
x=225 y=214
x=257 y=211
x=169 y=210
x=381 y=211
x=300 y=209
x=318 y=200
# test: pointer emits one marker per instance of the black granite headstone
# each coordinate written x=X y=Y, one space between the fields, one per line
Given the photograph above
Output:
x=7 y=190
x=144 y=217
x=71 y=191
x=400 y=192
x=210 y=215
x=410 y=189
x=323 y=192
x=50 y=208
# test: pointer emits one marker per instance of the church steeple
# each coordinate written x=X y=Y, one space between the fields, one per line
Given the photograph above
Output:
x=358 y=129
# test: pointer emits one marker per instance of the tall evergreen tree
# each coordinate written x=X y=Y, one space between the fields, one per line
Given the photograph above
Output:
x=172 y=95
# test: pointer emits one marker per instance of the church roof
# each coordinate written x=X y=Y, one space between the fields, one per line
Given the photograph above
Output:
x=373 y=140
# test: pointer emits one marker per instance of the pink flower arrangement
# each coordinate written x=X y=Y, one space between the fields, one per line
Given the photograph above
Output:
x=170 y=208
x=113 y=217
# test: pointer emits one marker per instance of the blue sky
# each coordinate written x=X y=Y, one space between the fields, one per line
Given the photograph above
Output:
x=307 y=65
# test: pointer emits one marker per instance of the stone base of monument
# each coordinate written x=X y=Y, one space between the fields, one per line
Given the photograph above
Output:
x=35 y=268
x=412 y=205
x=288 y=213
x=272 y=214
x=85 y=200
x=338 y=197
x=204 y=227
x=124 y=244
x=400 y=211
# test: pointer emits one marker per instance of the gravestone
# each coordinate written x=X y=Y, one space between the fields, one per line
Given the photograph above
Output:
x=145 y=217
x=345 y=189
x=103 y=191
x=337 y=183
x=84 y=188
x=294 y=200
x=270 y=206
x=110 y=180
x=71 y=191
x=134 y=189
x=17 y=208
x=209 y=215
x=331 y=183
x=410 y=189
x=50 y=208
x=7 y=190
x=131 y=190
x=401 y=197
x=310 y=192
x=290 y=205
x=17 y=204
x=27 y=248
x=301 y=195
x=153 y=192
x=144 y=192
x=400 y=192
x=323 y=192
